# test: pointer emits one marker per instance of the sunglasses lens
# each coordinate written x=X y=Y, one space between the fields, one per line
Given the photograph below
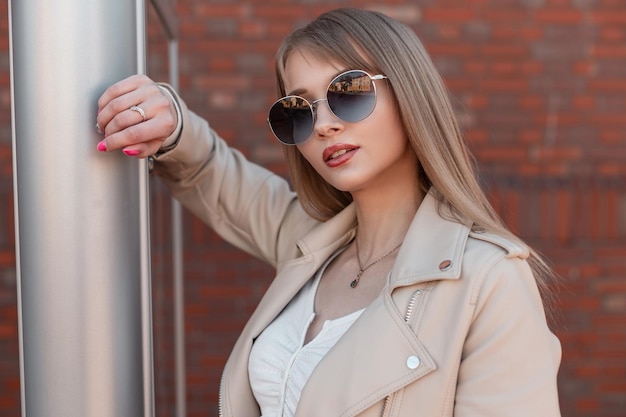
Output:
x=291 y=120
x=351 y=96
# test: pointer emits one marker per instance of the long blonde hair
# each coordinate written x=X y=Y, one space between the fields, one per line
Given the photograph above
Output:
x=372 y=41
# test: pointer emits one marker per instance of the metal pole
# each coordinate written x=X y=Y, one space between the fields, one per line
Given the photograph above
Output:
x=167 y=17
x=81 y=217
x=177 y=256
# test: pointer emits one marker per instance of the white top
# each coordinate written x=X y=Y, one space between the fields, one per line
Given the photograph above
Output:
x=280 y=365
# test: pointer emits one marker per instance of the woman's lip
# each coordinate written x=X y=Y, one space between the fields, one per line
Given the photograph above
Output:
x=341 y=157
x=336 y=151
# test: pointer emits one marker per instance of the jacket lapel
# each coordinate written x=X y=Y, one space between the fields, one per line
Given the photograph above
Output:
x=366 y=365
x=315 y=248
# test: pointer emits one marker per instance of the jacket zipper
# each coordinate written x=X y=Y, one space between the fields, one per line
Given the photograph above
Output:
x=220 y=397
x=407 y=318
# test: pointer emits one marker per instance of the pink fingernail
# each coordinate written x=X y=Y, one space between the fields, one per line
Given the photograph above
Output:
x=131 y=152
x=102 y=146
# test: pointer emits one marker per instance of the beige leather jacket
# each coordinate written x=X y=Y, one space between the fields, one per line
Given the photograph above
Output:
x=459 y=330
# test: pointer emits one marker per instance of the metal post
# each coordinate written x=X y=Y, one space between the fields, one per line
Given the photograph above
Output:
x=167 y=17
x=177 y=257
x=82 y=219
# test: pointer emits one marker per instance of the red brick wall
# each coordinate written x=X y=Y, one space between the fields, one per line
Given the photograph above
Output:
x=540 y=89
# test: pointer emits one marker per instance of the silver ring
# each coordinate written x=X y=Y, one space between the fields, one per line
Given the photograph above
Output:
x=140 y=111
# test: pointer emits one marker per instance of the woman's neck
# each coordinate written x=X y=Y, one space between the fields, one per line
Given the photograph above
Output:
x=384 y=218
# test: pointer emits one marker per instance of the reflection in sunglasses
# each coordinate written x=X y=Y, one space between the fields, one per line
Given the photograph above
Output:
x=360 y=83
x=294 y=102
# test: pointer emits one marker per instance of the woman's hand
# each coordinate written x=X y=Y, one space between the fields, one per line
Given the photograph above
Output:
x=139 y=131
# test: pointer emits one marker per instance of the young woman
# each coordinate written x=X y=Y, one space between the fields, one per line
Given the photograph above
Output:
x=398 y=292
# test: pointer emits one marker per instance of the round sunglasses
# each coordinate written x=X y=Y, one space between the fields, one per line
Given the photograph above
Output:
x=351 y=96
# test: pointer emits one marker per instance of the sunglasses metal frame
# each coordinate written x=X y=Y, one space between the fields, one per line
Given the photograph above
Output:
x=313 y=105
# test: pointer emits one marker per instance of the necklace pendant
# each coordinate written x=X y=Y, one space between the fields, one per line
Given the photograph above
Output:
x=355 y=281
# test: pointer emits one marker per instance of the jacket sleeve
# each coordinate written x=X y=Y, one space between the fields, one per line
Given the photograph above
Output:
x=510 y=357
x=247 y=205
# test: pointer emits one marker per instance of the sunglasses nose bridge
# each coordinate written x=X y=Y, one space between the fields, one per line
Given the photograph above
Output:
x=314 y=104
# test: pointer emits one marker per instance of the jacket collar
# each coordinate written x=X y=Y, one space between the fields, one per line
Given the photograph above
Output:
x=432 y=248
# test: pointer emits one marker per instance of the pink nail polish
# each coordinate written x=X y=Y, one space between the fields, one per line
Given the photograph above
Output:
x=131 y=152
x=102 y=146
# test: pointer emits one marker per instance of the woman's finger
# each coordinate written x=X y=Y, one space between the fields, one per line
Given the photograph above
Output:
x=143 y=150
x=154 y=130
x=123 y=87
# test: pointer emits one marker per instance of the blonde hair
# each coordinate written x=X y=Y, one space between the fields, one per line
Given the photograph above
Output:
x=374 y=42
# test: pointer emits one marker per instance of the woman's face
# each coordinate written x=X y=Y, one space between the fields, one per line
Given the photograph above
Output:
x=354 y=157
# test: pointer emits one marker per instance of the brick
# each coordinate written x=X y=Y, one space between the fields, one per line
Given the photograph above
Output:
x=610 y=136
x=609 y=51
x=531 y=33
x=475 y=67
x=532 y=102
x=615 y=303
x=616 y=16
x=504 y=50
x=556 y=153
x=608 y=119
x=477 y=31
x=585 y=68
x=476 y=101
x=502 y=153
x=612 y=34
x=222 y=291
x=221 y=64
x=253 y=30
x=559 y=16
x=232 y=10
x=512 y=85
x=454 y=48
x=587 y=404
x=504 y=33
x=270 y=12
x=498 y=14
x=529 y=67
x=531 y=136
x=584 y=102
x=7 y=258
x=448 y=14
x=449 y=32
x=504 y=68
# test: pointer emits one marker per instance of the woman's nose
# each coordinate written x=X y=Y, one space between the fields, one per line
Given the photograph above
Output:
x=325 y=121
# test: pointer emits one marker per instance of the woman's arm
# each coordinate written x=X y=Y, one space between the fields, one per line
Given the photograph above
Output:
x=249 y=206
x=510 y=357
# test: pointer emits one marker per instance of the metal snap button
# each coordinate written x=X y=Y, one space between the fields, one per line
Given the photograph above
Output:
x=412 y=362
x=445 y=265
x=478 y=229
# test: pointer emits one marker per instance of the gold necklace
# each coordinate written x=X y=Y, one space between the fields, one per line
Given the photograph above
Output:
x=362 y=269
